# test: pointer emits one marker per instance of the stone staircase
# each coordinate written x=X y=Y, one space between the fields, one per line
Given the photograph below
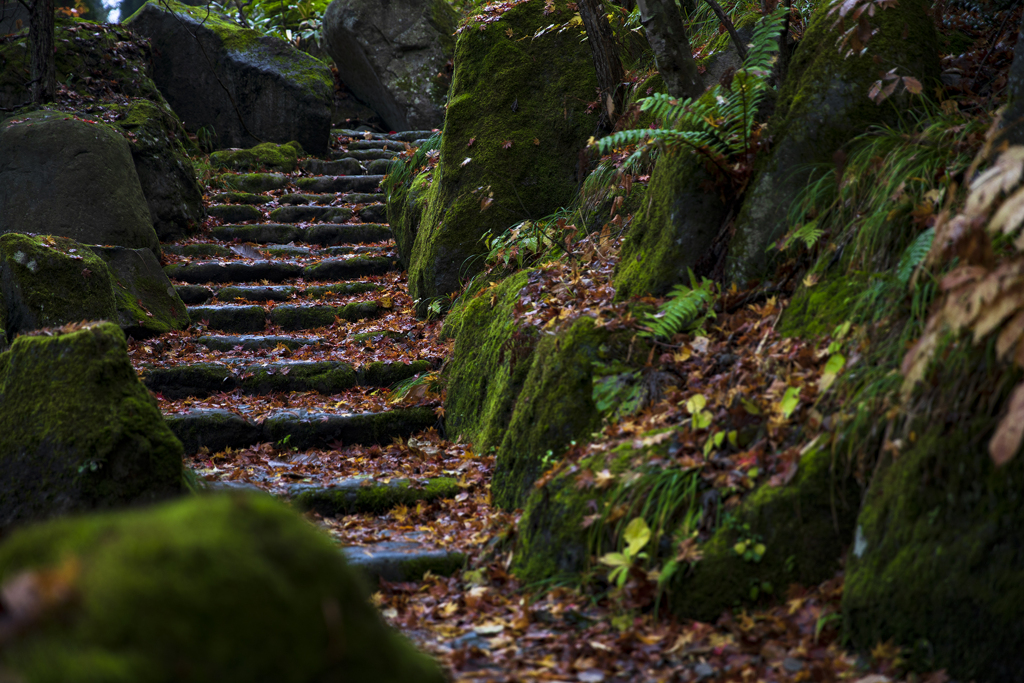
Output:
x=297 y=256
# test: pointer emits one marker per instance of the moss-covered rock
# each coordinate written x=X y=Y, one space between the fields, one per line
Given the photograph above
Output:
x=243 y=86
x=68 y=176
x=937 y=563
x=213 y=588
x=681 y=215
x=804 y=526
x=354 y=496
x=522 y=140
x=554 y=407
x=147 y=303
x=50 y=281
x=254 y=182
x=822 y=105
x=405 y=211
x=816 y=310
x=267 y=155
x=77 y=429
x=168 y=178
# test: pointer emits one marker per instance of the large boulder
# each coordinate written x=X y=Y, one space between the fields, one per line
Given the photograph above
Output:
x=822 y=105
x=244 y=86
x=508 y=153
x=78 y=431
x=937 y=560
x=212 y=588
x=48 y=281
x=393 y=56
x=173 y=194
x=63 y=175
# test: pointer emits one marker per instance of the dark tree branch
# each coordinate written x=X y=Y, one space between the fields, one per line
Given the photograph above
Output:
x=610 y=74
x=741 y=49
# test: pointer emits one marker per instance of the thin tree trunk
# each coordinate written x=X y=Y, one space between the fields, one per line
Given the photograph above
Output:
x=44 y=72
x=667 y=36
x=610 y=74
x=741 y=49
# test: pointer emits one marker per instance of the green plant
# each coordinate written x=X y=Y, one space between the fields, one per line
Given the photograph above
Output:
x=420 y=386
x=636 y=536
x=401 y=171
x=686 y=307
x=721 y=124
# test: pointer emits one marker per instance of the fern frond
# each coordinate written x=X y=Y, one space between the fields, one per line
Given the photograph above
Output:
x=914 y=255
x=684 y=307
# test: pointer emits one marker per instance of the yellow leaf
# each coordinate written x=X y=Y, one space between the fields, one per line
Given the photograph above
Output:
x=636 y=535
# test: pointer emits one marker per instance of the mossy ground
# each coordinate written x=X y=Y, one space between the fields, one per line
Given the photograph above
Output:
x=190 y=592
x=523 y=141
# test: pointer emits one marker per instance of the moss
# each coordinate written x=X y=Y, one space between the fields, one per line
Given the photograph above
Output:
x=553 y=408
x=938 y=559
x=523 y=140
x=682 y=215
x=804 y=526
x=383 y=374
x=816 y=311
x=322 y=378
x=821 y=106
x=405 y=211
x=254 y=182
x=241 y=198
x=267 y=155
x=50 y=281
x=373 y=498
x=190 y=591
x=340 y=289
x=488 y=366
x=311 y=317
x=77 y=429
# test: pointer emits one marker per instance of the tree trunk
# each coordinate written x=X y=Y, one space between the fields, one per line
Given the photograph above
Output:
x=44 y=72
x=610 y=74
x=1013 y=117
x=667 y=36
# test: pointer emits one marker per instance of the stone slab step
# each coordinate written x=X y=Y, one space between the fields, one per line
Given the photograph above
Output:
x=255 y=342
x=340 y=183
x=324 y=234
x=252 y=319
x=364 y=155
x=235 y=213
x=364 y=495
x=217 y=429
x=278 y=271
x=336 y=167
x=305 y=214
x=398 y=561
x=412 y=135
x=254 y=182
x=349 y=198
x=285 y=292
x=393 y=145
x=195 y=250
x=325 y=377
x=240 y=198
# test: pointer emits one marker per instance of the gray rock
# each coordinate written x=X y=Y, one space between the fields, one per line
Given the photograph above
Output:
x=390 y=55
x=229 y=318
x=402 y=561
x=250 y=342
x=304 y=214
x=147 y=303
x=337 y=167
x=213 y=72
x=193 y=294
x=255 y=182
x=235 y=213
x=340 y=184
x=60 y=175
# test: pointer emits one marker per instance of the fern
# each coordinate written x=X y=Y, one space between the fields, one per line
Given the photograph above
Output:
x=401 y=171
x=914 y=255
x=720 y=123
x=685 y=307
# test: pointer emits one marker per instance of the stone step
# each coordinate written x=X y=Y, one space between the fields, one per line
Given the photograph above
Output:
x=324 y=377
x=251 y=319
x=335 y=167
x=255 y=342
x=305 y=214
x=254 y=182
x=224 y=272
x=240 y=198
x=234 y=213
x=412 y=135
x=217 y=429
x=359 y=145
x=340 y=183
x=279 y=292
x=349 y=198
x=402 y=561
x=364 y=495
x=364 y=154
x=324 y=234
x=195 y=250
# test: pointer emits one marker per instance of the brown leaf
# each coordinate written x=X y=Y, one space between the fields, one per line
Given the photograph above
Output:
x=507 y=144
x=1006 y=441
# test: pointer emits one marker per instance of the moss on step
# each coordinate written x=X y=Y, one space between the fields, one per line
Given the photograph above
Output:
x=266 y=155
x=374 y=498
x=383 y=374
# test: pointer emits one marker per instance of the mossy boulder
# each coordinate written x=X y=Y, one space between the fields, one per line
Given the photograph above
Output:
x=804 y=525
x=681 y=215
x=405 y=211
x=77 y=429
x=147 y=303
x=816 y=310
x=168 y=179
x=394 y=56
x=937 y=562
x=284 y=158
x=107 y=54
x=554 y=407
x=73 y=177
x=522 y=141
x=212 y=588
x=822 y=105
x=50 y=281
x=243 y=86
